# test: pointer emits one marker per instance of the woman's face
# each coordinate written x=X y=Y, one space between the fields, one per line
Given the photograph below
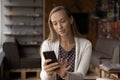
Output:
x=61 y=23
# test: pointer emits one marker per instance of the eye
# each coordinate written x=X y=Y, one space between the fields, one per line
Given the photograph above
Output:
x=62 y=21
x=54 y=23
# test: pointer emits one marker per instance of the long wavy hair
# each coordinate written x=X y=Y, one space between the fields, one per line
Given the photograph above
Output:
x=53 y=36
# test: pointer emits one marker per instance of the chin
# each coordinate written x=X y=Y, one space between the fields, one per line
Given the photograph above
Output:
x=62 y=35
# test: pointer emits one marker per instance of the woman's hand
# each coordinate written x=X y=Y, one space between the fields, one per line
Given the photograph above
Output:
x=50 y=68
x=64 y=67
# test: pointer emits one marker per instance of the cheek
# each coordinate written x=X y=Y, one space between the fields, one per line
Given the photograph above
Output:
x=68 y=26
x=55 y=28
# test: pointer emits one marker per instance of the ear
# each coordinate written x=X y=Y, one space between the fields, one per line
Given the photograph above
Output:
x=71 y=19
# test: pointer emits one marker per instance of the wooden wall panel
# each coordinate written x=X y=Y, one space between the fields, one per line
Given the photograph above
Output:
x=75 y=6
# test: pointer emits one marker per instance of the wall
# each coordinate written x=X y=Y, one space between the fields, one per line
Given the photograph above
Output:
x=75 y=6
x=0 y=23
x=25 y=20
x=108 y=23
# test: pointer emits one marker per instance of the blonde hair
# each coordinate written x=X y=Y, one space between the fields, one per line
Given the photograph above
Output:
x=53 y=36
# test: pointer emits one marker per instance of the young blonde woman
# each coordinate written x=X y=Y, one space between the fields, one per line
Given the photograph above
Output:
x=72 y=51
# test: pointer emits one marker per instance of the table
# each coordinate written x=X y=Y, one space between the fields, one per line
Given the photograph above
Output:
x=109 y=70
x=102 y=79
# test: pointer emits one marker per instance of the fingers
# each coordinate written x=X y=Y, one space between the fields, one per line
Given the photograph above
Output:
x=63 y=62
x=50 y=67
x=66 y=62
x=68 y=67
x=47 y=61
x=64 y=67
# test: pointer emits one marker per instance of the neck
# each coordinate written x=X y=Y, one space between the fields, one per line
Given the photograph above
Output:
x=67 y=40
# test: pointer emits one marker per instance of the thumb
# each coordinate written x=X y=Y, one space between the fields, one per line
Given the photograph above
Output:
x=68 y=67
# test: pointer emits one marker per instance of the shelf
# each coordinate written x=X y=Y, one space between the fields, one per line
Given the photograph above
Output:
x=29 y=45
x=22 y=6
x=22 y=25
x=22 y=15
x=24 y=22
x=23 y=35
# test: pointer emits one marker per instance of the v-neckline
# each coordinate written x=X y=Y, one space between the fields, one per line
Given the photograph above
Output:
x=67 y=51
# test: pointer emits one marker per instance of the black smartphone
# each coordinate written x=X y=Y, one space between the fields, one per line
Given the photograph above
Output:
x=50 y=55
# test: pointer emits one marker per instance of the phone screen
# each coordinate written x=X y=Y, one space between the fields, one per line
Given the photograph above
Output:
x=50 y=55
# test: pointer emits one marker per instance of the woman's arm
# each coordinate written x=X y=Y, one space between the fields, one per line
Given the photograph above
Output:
x=83 y=65
x=43 y=73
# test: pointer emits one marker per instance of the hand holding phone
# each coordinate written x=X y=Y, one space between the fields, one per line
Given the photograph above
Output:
x=50 y=55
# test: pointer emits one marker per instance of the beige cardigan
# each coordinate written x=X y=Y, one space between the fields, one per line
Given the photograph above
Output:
x=83 y=51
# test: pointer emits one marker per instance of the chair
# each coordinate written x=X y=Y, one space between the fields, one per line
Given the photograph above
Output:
x=12 y=57
x=15 y=60
x=114 y=59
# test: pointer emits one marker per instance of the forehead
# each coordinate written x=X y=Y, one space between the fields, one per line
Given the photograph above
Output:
x=59 y=14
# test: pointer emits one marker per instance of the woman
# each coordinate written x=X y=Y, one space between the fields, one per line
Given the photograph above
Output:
x=73 y=52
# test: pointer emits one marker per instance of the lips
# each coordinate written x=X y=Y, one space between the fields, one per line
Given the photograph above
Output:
x=61 y=31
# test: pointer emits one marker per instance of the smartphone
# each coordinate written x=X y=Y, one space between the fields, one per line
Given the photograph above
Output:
x=50 y=55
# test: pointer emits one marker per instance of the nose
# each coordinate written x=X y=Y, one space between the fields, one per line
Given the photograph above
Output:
x=59 y=26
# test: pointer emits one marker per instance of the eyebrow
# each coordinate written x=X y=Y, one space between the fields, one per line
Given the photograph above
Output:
x=62 y=18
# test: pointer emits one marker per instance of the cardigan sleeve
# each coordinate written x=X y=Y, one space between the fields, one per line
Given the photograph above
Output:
x=43 y=74
x=86 y=52
x=83 y=64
